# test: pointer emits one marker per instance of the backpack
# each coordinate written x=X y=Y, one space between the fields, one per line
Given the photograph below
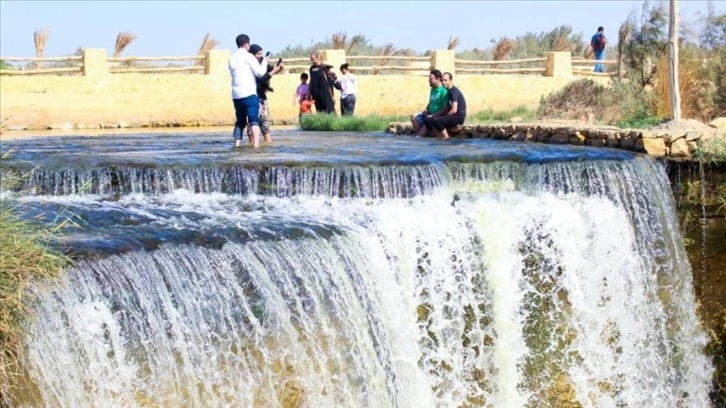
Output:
x=598 y=43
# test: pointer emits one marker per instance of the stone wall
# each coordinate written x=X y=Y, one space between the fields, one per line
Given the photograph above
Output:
x=666 y=143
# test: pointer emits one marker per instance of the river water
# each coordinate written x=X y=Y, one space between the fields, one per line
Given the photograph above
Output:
x=358 y=270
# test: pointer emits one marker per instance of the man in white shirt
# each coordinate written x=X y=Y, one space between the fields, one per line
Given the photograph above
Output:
x=348 y=91
x=244 y=69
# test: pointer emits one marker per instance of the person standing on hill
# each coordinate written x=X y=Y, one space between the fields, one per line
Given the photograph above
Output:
x=320 y=88
x=598 y=42
x=244 y=68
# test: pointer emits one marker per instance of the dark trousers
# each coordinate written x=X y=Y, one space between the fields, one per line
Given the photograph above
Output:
x=444 y=122
x=324 y=104
x=347 y=105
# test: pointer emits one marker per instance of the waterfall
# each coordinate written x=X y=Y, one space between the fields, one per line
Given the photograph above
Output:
x=502 y=284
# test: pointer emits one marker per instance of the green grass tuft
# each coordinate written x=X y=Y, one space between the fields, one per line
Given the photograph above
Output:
x=490 y=115
x=326 y=122
x=642 y=122
x=373 y=123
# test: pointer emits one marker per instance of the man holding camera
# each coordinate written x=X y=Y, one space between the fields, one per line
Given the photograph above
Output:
x=263 y=86
x=244 y=68
x=321 y=88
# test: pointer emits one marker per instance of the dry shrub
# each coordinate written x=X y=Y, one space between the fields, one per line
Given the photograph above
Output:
x=123 y=39
x=453 y=43
x=575 y=101
x=692 y=86
x=40 y=37
x=339 y=39
x=388 y=51
x=503 y=47
x=208 y=43
x=589 y=53
x=562 y=44
x=620 y=103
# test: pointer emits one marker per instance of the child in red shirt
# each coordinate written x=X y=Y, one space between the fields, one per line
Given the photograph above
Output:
x=306 y=106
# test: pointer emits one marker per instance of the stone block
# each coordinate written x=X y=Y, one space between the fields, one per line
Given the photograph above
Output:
x=679 y=148
x=654 y=147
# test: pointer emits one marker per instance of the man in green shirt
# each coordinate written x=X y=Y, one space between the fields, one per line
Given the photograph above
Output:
x=437 y=106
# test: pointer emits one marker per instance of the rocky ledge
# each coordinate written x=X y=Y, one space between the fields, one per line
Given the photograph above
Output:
x=680 y=144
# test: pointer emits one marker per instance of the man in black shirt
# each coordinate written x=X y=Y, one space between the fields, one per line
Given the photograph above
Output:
x=456 y=114
x=263 y=86
x=320 y=88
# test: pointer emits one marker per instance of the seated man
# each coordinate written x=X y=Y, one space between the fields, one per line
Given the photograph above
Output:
x=456 y=112
x=438 y=98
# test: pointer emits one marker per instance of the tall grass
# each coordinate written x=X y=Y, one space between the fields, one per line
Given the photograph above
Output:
x=490 y=115
x=25 y=261
x=40 y=37
x=123 y=39
x=711 y=151
x=373 y=123
x=326 y=122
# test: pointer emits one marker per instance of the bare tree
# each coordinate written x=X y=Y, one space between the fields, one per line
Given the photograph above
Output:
x=673 y=61
x=453 y=43
x=40 y=37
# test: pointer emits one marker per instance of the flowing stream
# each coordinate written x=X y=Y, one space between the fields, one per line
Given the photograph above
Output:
x=359 y=271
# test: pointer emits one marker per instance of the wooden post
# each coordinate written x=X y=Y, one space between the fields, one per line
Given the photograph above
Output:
x=673 y=62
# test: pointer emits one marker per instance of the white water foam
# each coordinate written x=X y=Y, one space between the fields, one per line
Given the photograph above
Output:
x=504 y=299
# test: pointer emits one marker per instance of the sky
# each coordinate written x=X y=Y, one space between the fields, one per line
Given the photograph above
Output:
x=176 y=28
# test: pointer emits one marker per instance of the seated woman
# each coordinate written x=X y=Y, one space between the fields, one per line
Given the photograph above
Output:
x=456 y=114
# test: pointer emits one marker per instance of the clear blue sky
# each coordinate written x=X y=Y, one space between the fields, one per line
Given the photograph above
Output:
x=172 y=28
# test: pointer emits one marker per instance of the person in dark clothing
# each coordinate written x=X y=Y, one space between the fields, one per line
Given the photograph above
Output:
x=320 y=87
x=456 y=113
x=263 y=86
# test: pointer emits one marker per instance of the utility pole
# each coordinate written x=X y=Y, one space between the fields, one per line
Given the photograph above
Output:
x=673 y=61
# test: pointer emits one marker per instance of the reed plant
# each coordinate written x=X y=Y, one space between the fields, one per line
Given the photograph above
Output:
x=40 y=37
x=26 y=260
x=208 y=43
x=123 y=39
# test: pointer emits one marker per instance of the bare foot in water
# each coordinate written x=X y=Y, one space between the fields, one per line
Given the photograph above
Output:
x=267 y=139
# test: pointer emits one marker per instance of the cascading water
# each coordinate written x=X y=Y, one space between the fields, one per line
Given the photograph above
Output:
x=527 y=279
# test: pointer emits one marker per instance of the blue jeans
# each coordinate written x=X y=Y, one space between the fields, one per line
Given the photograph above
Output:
x=247 y=112
x=599 y=55
x=347 y=105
